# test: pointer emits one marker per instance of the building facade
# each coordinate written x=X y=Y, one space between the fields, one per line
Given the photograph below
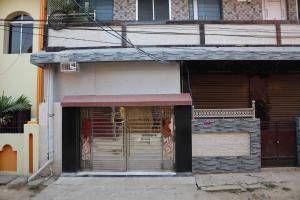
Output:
x=125 y=77
x=20 y=36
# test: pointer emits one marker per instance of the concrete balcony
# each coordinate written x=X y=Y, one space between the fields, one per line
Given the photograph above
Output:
x=174 y=34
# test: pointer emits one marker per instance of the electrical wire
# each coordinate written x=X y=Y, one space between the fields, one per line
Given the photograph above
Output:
x=14 y=61
x=171 y=33
x=182 y=29
x=61 y=37
x=120 y=36
x=11 y=65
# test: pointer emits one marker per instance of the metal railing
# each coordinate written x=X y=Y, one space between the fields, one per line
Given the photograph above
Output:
x=225 y=113
x=16 y=123
x=75 y=13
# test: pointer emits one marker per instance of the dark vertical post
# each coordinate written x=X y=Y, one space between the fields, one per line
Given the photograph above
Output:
x=70 y=139
x=124 y=35
x=278 y=33
x=202 y=34
x=183 y=138
x=45 y=38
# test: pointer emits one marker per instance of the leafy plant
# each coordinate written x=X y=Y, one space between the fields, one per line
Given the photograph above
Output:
x=66 y=5
x=9 y=105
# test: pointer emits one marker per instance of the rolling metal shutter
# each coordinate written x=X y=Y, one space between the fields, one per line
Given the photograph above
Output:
x=220 y=91
x=284 y=100
x=279 y=133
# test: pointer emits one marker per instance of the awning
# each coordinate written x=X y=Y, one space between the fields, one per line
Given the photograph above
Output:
x=127 y=100
x=167 y=53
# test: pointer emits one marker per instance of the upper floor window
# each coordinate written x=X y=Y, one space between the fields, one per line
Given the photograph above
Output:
x=149 y=10
x=20 y=35
x=104 y=9
x=209 y=9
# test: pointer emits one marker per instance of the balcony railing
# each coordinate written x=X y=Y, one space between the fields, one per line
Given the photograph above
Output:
x=225 y=113
x=16 y=123
x=175 y=33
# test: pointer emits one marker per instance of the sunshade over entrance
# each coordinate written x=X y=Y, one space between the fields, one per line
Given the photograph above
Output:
x=127 y=100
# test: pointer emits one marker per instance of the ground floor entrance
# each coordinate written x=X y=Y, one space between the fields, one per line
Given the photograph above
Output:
x=275 y=87
x=127 y=134
x=127 y=139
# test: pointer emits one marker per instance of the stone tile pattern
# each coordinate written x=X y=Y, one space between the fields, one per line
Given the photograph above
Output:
x=125 y=10
x=292 y=9
x=180 y=9
x=235 y=10
x=187 y=53
x=221 y=164
x=232 y=10
x=298 y=141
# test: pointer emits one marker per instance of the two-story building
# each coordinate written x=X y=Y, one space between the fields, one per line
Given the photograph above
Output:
x=123 y=79
x=20 y=35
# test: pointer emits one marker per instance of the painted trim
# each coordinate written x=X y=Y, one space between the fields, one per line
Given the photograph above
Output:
x=30 y=155
x=283 y=7
x=20 y=143
x=170 y=10
x=297 y=8
x=137 y=10
x=195 y=6
x=40 y=71
x=153 y=11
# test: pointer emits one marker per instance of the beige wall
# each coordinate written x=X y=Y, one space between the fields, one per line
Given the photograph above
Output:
x=17 y=75
x=231 y=34
x=20 y=144
x=221 y=144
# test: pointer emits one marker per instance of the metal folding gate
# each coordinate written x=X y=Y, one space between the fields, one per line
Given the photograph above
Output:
x=127 y=139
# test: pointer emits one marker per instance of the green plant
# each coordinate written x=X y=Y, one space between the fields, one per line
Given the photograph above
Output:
x=9 y=105
x=66 y=5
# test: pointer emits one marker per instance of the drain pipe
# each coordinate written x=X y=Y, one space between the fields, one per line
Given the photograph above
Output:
x=50 y=124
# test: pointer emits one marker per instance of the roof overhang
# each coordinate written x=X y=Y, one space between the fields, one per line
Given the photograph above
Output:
x=168 y=54
x=127 y=100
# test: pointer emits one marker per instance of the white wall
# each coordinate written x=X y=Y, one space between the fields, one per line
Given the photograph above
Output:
x=168 y=34
x=290 y=34
x=17 y=75
x=118 y=78
x=221 y=144
x=43 y=137
x=104 y=79
x=229 y=34
x=137 y=34
x=78 y=38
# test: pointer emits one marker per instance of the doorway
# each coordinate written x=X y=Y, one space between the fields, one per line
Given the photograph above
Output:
x=274 y=10
x=121 y=139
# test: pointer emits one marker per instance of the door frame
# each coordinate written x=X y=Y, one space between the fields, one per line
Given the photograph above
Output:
x=283 y=16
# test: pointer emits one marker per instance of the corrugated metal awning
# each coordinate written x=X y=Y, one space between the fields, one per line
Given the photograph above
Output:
x=127 y=100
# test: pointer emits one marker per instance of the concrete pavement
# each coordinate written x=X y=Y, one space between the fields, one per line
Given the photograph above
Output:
x=269 y=184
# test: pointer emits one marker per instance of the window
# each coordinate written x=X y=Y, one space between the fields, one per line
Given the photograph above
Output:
x=149 y=10
x=104 y=9
x=209 y=9
x=298 y=8
x=20 y=35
